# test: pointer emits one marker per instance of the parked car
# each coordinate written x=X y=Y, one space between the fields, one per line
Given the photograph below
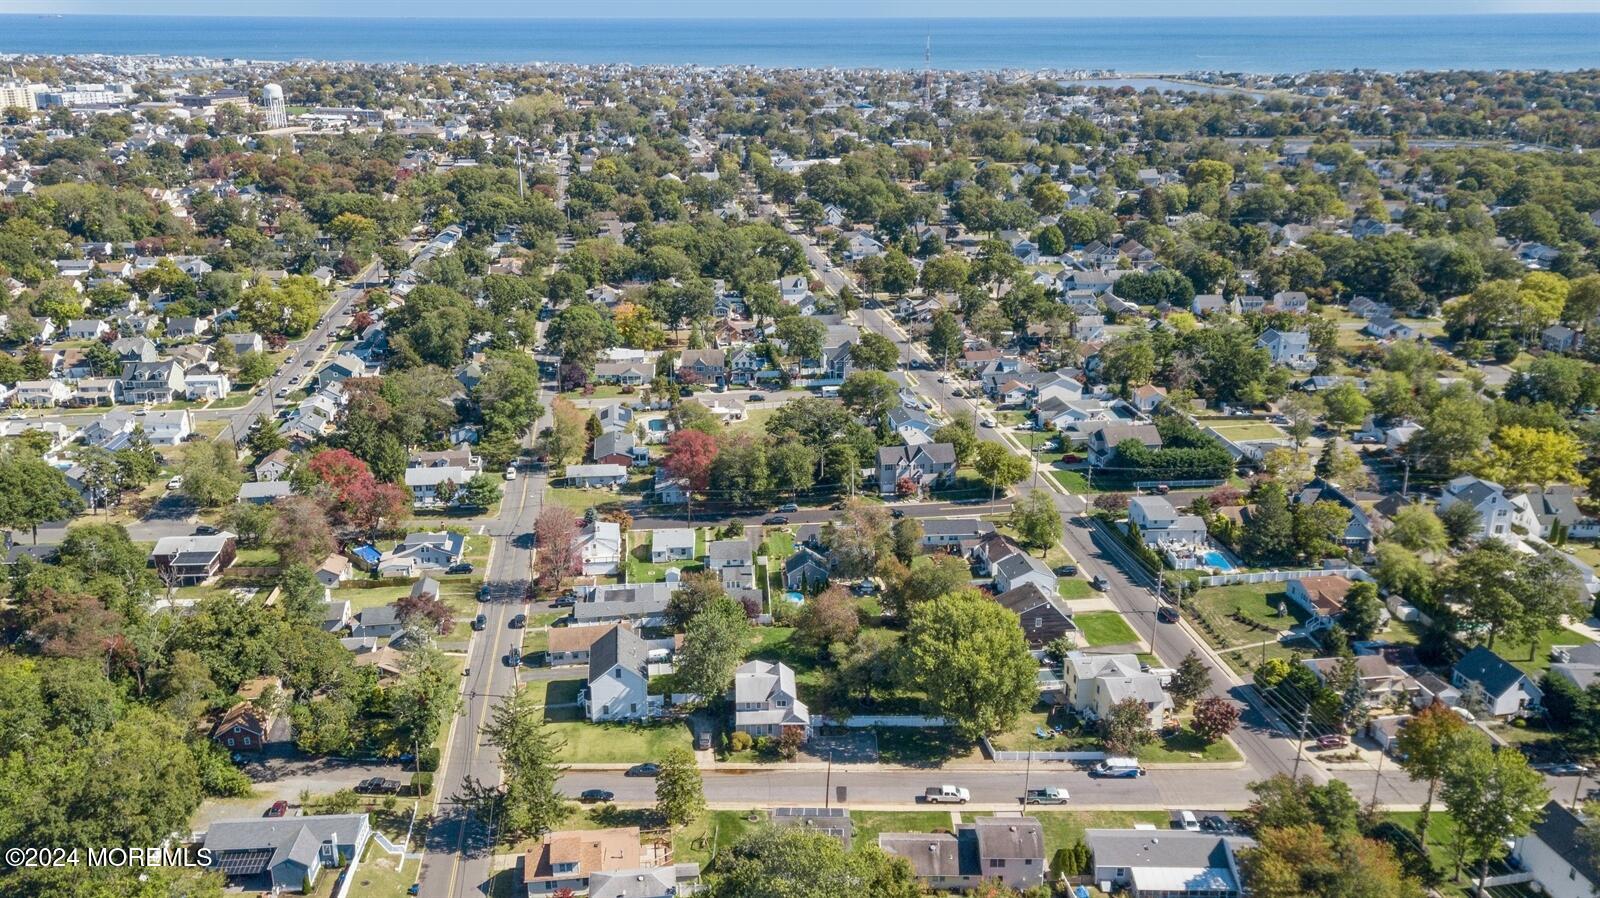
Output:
x=1332 y=740
x=483 y=593
x=479 y=622
x=1188 y=821
x=278 y=809
x=1566 y=770
x=464 y=567
x=565 y=600
x=1099 y=584
x=946 y=795
x=518 y=621
x=776 y=520
x=511 y=472
x=757 y=397
x=377 y=785
x=589 y=796
x=1213 y=823
x=643 y=770
x=1167 y=614
x=206 y=530
x=175 y=483
x=1067 y=570
x=1117 y=768
x=1047 y=795
x=788 y=506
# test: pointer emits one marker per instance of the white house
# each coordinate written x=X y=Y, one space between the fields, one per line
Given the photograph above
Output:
x=619 y=680
x=671 y=544
x=425 y=483
x=1506 y=691
x=1161 y=525
x=441 y=549
x=168 y=428
x=1165 y=863
x=1556 y=853
x=600 y=545
x=1094 y=684
x=1019 y=568
x=1502 y=513
x=597 y=476
x=1292 y=348
x=766 y=701
x=733 y=563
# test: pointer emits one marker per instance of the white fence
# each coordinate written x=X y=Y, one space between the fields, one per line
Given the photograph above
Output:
x=861 y=721
x=1058 y=756
x=1351 y=573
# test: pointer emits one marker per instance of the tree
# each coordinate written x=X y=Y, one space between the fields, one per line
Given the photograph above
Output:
x=801 y=862
x=875 y=351
x=1493 y=797
x=961 y=437
x=32 y=491
x=1427 y=746
x=827 y=618
x=1345 y=405
x=999 y=467
x=1282 y=801
x=481 y=491
x=1269 y=532
x=1363 y=611
x=555 y=533
x=907 y=533
x=690 y=458
x=859 y=538
x=1036 y=520
x=1483 y=583
x=801 y=336
x=1306 y=861
x=1461 y=523
x=426 y=612
x=529 y=801
x=945 y=338
x=1214 y=718
x=211 y=475
x=870 y=394
x=564 y=439
x=1190 y=681
x=1417 y=528
x=1126 y=727
x=697 y=590
x=907 y=588
x=1525 y=455
x=680 y=793
x=970 y=658
x=713 y=646
x=300 y=531
x=254 y=367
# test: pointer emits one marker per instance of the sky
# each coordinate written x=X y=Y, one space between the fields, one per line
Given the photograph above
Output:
x=822 y=9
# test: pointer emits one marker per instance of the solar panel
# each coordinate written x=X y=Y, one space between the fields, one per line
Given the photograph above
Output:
x=244 y=863
x=810 y=812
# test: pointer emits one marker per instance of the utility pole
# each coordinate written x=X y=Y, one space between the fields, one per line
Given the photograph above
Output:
x=520 y=178
x=827 y=785
x=1378 y=780
x=1405 y=481
x=1300 y=746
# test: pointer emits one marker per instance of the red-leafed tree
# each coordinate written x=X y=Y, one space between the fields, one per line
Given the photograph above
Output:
x=1214 y=718
x=373 y=502
x=690 y=455
x=340 y=471
x=300 y=531
x=425 y=609
x=555 y=534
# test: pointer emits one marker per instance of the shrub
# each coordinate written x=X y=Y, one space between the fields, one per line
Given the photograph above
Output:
x=422 y=784
x=740 y=741
x=428 y=759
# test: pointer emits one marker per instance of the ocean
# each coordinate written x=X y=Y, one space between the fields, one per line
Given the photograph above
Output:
x=1169 y=46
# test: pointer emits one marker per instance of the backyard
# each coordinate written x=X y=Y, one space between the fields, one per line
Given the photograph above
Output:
x=603 y=743
x=1104 y=628
x=640 y=569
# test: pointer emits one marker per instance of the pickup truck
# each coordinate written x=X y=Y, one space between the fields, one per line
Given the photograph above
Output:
x=946 y=795
x=1047 y=795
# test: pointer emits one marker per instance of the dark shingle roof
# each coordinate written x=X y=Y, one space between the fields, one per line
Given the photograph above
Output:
x=1492 y=672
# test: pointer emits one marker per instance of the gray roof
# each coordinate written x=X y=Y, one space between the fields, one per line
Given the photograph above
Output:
x=280 y=839
x=971 y=527
x=931 y=854
x=378 y=616
x=1009 y=837
x=1563 y=832
x=1492 y=672
x=615 y=443
x=1020 y=563
x=632 y=600
x=1162 y=848
x=723 y=552
x=619 y=645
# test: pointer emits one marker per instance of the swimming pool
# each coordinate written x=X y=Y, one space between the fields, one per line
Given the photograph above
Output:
x=1217 y=560
x=795 y=596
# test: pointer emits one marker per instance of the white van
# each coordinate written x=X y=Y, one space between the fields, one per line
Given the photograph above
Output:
x=1118 y=768
x=1189 y=820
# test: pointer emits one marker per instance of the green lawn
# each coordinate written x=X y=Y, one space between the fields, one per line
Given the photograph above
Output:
x=1104 y=628
x=1533 y=658
x=1184 y=746
x=604 y=743
x=1074 y=588
x=259 y=556
x=381 y=875
x=642 y=570
x=1255 y=430
x=1074 y=481
x=1244 y=613
x=869 y=824
x=239 y=399
x=778 y=545
x=578 y=499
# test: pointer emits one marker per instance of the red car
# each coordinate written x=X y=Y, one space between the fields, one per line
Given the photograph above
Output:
x=278 y=809
x=1332 y=741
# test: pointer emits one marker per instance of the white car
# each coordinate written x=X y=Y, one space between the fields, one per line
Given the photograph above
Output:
x=511 y=472
x=175 y=483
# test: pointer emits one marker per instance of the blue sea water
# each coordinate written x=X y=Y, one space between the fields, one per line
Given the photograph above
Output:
x=1561 y=42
